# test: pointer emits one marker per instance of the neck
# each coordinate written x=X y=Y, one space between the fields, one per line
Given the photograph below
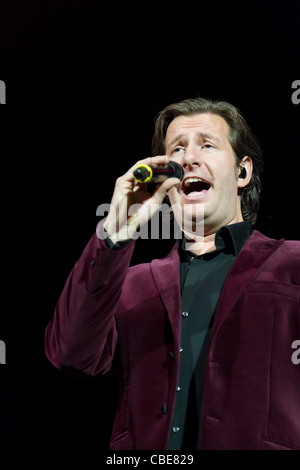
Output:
x=200 y=245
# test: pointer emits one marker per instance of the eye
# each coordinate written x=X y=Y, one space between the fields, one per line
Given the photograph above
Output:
x=209 y=146
x=177 y=149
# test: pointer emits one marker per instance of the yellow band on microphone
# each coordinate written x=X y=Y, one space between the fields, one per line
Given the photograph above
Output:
x=149 y=173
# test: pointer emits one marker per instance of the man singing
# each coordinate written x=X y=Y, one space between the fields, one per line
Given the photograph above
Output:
x=201 y=339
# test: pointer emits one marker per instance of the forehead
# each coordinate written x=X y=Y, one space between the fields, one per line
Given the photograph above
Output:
x=204 y=122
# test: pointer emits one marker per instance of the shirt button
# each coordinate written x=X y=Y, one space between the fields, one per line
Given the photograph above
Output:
x=185 y=314
x=175 y=428
x=178 y=388
x=180 y=349
x=93 y=262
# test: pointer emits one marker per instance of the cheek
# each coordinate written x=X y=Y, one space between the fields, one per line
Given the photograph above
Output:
x=176 y=158
x=226 y=178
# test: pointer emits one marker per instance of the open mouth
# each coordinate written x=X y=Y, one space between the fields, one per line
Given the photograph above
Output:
x=194 y=187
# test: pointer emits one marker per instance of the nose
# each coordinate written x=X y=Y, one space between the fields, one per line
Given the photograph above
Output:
x=191 y=158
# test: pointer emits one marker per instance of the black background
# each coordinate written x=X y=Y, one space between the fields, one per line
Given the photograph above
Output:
x=85 y=80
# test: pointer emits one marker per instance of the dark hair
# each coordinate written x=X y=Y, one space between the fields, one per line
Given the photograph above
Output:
x=241 y=138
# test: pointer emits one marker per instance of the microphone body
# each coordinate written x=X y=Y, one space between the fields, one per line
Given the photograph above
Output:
x=158 y=174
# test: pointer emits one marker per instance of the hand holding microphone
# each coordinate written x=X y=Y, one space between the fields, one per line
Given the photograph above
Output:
x=132 y=205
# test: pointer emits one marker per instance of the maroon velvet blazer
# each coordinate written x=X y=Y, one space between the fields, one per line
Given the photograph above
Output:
x=252 y=387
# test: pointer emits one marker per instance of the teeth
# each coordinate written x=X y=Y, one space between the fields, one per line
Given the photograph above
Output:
x=192 y=180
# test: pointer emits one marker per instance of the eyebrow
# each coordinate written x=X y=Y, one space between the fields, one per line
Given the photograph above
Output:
x=203 y=135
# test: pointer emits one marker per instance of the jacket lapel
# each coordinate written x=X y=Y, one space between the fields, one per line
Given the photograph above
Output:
x=165 y=272
x=255 y=252
x=166 y=277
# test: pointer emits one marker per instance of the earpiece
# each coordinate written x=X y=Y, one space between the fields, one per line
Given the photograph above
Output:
x=243 y=173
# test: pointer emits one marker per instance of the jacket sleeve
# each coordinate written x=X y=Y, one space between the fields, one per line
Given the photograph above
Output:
x=82 y=334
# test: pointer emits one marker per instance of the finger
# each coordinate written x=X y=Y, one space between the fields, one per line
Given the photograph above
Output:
x=164 y=187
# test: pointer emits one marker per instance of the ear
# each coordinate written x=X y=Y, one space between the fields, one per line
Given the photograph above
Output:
x=245 y=172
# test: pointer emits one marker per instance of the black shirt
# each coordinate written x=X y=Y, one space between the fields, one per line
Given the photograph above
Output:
x=201 y=278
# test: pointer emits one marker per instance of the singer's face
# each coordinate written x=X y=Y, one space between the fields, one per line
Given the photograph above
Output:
x=210 y=185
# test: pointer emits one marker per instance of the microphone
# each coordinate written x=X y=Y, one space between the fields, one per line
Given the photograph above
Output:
x=158 y=174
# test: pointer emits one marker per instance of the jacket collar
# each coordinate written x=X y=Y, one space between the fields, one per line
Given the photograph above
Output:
x=257 y=249
x=166 y=277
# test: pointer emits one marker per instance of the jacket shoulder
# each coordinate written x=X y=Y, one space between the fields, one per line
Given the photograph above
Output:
x=282 y=243
x=283 y=258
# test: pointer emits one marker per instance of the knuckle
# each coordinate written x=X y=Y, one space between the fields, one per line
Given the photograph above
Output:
x=119 y=179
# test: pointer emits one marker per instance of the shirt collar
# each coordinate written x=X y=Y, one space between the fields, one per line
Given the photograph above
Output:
x=230 y=238
x=233 y=237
